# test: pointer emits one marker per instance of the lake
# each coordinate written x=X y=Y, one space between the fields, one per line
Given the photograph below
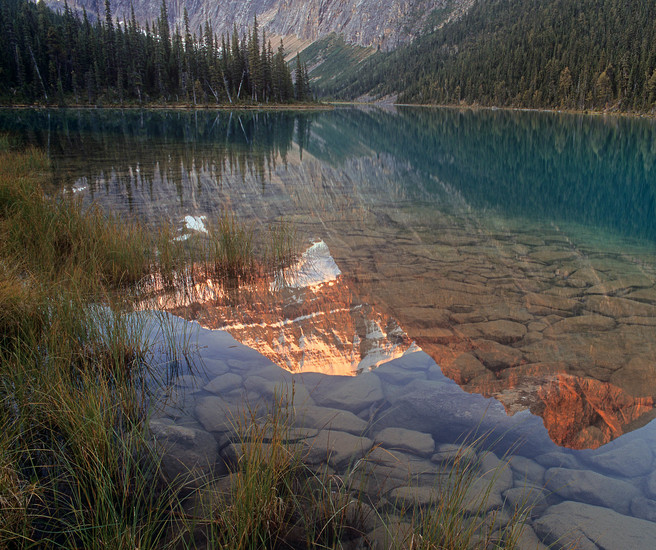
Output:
x=464 y=273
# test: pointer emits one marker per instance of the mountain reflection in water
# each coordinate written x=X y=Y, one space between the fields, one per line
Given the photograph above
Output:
x=517 y=249
x=305 y=319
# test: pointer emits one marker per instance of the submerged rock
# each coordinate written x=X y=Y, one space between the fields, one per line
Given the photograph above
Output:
x=583 y=526
x=591 y=488
x=409 y=440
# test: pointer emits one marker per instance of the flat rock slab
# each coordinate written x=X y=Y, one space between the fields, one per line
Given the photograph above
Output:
x=185 y=450
x=326 y=418
x=502 y=331
x=384 y=464
x=283 y=392
x=466 y=367
x=338 y=449
x=549 y=255
x=438 y=407
x=449 y=453
x=223 y=384
x=218 y=415
x=591 y=488
x=629 y=459
x=587 y=527
x=496 y=356
x=547 y=304
x=581 y=323
x=619 y=307
x=352 y=394
x=526 y=470
x=408 y=497
x=410 y=440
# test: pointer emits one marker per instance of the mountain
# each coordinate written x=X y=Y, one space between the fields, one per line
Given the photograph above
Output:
x=590 y=54
x=378 y=23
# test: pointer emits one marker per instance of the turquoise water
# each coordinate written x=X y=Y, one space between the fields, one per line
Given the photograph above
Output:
x=516 y=250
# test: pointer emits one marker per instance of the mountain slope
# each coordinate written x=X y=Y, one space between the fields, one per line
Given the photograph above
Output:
x=384 y=24
x=525 y=53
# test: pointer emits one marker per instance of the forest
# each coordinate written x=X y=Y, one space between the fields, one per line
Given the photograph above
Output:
x=589 y=54
x=59 y=59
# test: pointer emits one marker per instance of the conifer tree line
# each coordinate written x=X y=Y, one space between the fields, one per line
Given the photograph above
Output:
x=59 y=58
x=584 y=54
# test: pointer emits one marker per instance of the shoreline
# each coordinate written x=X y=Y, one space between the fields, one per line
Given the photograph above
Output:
x=591 y=112
x=178 y=107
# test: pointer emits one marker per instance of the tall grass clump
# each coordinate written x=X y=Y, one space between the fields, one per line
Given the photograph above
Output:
x=459 y=518
x=76 y=469
x=272 y=499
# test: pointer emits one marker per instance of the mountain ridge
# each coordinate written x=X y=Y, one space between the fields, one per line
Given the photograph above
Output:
x=382 y=24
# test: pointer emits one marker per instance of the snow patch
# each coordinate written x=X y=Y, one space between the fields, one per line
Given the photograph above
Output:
x=196 y=223
x=315 y=267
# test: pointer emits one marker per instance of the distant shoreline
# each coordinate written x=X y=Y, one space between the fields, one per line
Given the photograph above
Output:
x=181 y=107
x=465 y=107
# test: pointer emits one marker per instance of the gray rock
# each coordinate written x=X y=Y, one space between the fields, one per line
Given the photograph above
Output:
x=383 y=465
x=352 y=393
x=650 y=488
x=644 y=508
x=448 y=453
x=583 y=526
x=214 y=367
x=391 y=536
x=245 y=366
x=218 y=415
x=439 y=407
x=408 y=497
x=557 y=459
x=395 y=374
x=410 y=440
x=283 y=392
x=591 y=488
x=187 y=452
x=338 y=449
x=528 y=497
x=223 y=384
x=528 y=540
x=629 y=459
x=526 y=470
x=326 y=418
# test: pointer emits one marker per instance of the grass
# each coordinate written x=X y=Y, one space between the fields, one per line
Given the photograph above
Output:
x=78 y=468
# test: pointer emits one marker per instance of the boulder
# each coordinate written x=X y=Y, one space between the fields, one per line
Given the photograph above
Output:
x=338 y=449
x=187 y=452
x=218 y=415
x=526 y=470
x=619 y=307
x=496 y=356
x=326 y=418
x=588 y=527
x=630 y=459
x=408 y=497
x=448 y=453
x=350 y=393
x=409 y=440
x=223 y=384
x=502 y=331
x=644 y=508
x=581 y=323
x=591 y=488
